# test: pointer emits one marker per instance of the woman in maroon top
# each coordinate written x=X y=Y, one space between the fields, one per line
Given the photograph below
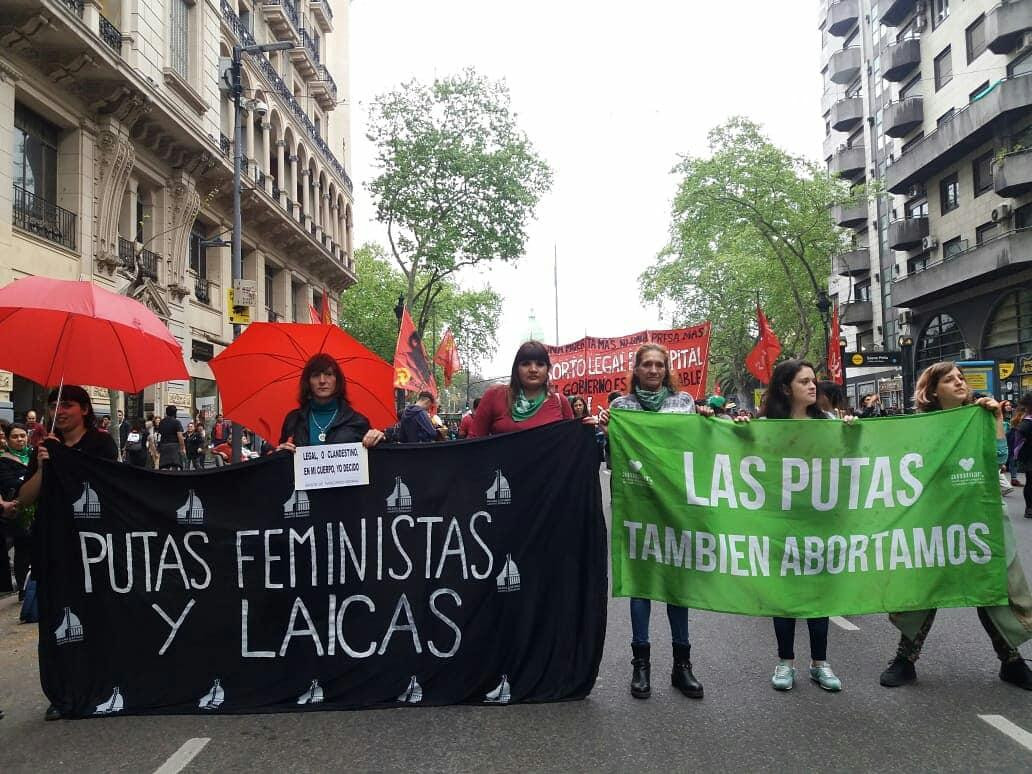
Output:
x=526 y=402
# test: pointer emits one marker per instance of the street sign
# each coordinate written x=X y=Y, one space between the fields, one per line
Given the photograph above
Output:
x=980 y=376
x=238 y=315
x=245 y=292
x=867 y=359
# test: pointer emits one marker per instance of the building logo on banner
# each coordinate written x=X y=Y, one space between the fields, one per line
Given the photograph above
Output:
x=413 y=694
x=213 y=699
x=88 y=504
x=499 y=492
x=636 y=476
x=509 y=578
x=314 y=694
x=110 y=706
x=70 y=628
x=192 y=511
x=400 y=499
x=966 y=476
x=297 y=505
x=501 y=693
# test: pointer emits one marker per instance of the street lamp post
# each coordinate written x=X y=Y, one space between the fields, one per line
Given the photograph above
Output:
x=238 y=149
x=906 y=346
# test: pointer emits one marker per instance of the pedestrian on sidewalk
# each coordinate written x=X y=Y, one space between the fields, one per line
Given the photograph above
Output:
x=652 y=388
x=942 y=386
x=1023 y=447
x=467 y=421
x=194 y=445
x=792 y=394
x=171 y=441
x=416 y=425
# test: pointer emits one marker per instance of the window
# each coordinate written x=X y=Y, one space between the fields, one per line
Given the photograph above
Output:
x=916 y=208
x=856 y=139
x=862 y=291
x=944 y=117
x=940 y=340
x=940 y=12
x=943 y=68
x=979 y=92
x=1011 y=323
x=912 y=88
x=949 y=193
x=179 y=38
x=908 y=30
x=975 y=35
x=985 y=232
x=911 y=142
x=952 y=247
x=198 y=252
x=1020 y=66
x=982 y=172
x=852 y=40
x=35 y=153
x=855 y=89
x=270 y=280
x=1023 y=216
x=919 y=263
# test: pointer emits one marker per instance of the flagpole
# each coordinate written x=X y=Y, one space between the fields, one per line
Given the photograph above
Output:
x=555 y=285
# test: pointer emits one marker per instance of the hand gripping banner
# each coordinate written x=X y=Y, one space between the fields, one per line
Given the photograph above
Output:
x=470 y=572
x=808 y=518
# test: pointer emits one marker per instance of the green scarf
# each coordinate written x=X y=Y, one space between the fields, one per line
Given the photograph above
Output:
x=524 y=407
x=652 y=400
x=24 y=455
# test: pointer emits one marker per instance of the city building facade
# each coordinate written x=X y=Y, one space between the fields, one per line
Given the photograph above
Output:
x=931 y=102
x=116 y=164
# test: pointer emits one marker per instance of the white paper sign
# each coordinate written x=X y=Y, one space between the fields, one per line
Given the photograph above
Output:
x=330 y=465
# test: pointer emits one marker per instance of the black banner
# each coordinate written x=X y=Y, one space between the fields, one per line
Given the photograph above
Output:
x=467 y=572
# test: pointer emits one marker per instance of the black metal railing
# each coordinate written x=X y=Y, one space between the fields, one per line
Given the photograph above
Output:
x=126 y=253
x=109 y=34
x=290 y=8
x=325 y=4
x=149 y=263
x=44 y=219
x=225 y=144
x=308 y=43
x=202 y=290
x=75 y=5
x=323 y=75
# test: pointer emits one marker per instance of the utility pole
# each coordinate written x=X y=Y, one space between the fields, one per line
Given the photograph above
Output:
x=555 y=285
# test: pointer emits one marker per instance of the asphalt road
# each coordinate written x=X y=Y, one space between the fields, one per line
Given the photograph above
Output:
x=950 y=720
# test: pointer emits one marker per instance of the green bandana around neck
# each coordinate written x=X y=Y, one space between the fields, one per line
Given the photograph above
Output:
x=652 y=400
x=524 y=407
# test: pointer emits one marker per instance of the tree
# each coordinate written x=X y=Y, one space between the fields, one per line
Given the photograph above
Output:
x=750 y=224
x=458 y=181
x=367 y=309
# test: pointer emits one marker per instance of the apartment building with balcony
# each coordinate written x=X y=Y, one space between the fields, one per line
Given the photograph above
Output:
x=116 y=163
x=936 y=95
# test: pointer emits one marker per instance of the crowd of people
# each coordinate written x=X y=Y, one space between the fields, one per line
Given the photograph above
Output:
x=324 y=415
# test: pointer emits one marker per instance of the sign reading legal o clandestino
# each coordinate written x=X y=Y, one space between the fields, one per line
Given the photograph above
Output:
x=594 y=367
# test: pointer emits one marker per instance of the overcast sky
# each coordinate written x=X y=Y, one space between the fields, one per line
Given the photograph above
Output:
x=610 y=94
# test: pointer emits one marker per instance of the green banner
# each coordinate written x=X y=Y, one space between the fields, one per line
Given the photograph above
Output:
x=808 y=518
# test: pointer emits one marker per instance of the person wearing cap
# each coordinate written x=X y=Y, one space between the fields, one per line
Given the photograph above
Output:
x=719 y=405
x=75 y=425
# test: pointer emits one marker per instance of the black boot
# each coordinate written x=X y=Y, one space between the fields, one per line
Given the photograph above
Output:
x=681 y=676
x=900 y=671
x=1016 y=672
x=641 y=685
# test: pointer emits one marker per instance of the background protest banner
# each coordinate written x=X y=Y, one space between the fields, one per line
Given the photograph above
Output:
x=593 y=367
x=808 y=518
x=467 y=572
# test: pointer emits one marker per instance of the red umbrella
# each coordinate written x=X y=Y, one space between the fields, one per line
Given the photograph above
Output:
x=78 y=333
x=258 y=374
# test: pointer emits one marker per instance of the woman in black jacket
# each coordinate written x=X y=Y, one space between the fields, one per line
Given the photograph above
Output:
x=323 y=414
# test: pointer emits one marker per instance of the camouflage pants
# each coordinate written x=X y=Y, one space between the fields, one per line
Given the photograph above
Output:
x=910 y=649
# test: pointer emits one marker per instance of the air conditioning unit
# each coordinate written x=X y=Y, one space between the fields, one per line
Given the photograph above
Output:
x=904 y=317
x=1002 y=213
x=1026 y=40
x=929 y=243
x=915 y=190
x=919 y=20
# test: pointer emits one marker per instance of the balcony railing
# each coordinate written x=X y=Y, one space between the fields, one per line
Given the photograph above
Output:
x=238 y=27
x=202 y=290
x=308 y=43
x=322 y=74
x=149 y=263
x=289 y=7
x=109 y=34
x=126 y=254
x=225 y=144
x=76 y=6
x=44 y=219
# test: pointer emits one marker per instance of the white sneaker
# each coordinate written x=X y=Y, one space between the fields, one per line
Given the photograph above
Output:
x=784 y=676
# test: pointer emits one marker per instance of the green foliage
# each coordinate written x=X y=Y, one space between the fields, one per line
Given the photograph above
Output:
x=750 y=222
x=458 y=181
x=367 y=309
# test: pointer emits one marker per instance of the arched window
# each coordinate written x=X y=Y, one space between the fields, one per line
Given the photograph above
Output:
x=940 y=340
x=1010 y=328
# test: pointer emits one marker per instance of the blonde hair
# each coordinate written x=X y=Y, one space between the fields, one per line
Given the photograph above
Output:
x=925 y=395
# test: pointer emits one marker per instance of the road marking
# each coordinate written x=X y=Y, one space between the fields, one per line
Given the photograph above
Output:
x=178 y=760
x=842 y=623
x=1004 y=726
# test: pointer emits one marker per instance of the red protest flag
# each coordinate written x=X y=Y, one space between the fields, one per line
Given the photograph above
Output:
x=760 y=362
x=834 y=350
x=716 y=388
x=324 y=309
x=313 y=315
x=447 y=357
x=411 y=365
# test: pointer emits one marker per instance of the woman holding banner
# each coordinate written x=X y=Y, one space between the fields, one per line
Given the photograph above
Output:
x=942 y=386
x=323 y=414
x=526 y=402
x=652 y=388
x=792 y=394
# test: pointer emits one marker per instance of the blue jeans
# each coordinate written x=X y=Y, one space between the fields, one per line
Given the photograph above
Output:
x=640 y=612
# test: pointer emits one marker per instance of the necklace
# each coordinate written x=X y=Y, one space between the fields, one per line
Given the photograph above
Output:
x=322 y=428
